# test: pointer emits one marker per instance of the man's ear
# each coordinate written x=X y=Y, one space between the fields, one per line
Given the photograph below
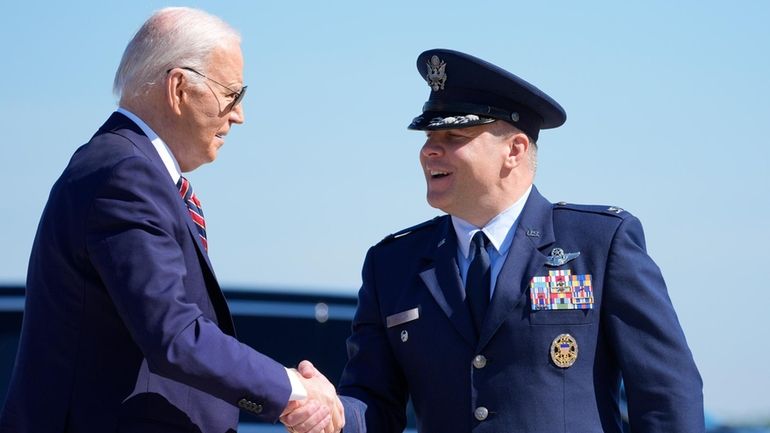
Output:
x=518 y=145
x=176 y=90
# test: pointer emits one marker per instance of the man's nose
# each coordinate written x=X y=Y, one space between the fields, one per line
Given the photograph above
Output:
x=432 y=147
x=237 y=115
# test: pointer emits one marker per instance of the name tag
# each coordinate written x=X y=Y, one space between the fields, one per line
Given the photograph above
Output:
x=402 y=317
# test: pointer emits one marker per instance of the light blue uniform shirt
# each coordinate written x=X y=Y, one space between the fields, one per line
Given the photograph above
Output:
x=500 y=231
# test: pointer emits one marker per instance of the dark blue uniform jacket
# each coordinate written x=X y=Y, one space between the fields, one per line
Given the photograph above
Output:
x=505 y=380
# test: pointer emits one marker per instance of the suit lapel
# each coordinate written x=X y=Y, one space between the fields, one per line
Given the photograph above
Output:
x=534 y=232
x=120 y=124
x=196 y=236
x=442 y=278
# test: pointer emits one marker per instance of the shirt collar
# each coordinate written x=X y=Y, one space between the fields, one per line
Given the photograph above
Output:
x=160 y=146
x=498 y=230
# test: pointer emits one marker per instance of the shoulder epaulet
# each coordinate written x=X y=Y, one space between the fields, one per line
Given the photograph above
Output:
x=593 y=208
x=410 y=230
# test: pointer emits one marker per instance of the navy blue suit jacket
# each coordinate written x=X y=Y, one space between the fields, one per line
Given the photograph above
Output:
x=125 y=327
x=632 y=331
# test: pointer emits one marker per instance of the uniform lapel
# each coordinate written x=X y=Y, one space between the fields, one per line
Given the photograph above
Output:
x=533 y=233
x=442 y=278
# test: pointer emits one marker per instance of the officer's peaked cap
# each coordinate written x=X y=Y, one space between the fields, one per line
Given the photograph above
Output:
x=467 y=91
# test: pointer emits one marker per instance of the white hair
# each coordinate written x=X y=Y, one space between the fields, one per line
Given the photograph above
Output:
x=172 y=37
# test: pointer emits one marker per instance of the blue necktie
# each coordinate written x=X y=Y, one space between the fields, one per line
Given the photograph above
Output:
x=478 y=279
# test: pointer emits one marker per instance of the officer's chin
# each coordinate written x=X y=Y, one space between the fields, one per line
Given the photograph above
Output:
x=436 y=202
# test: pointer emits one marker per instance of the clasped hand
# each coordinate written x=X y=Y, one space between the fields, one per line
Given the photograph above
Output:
x=322 y=410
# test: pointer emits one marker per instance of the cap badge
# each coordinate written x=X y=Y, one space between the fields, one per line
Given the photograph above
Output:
x=558 y=257
x=436 y=73
x=564 y=351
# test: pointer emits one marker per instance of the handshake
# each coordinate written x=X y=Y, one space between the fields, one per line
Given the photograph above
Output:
x=322 y=410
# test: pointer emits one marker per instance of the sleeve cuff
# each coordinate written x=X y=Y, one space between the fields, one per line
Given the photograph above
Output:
x=298 y=391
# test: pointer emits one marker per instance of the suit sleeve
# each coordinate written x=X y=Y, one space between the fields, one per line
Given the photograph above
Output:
x=663 y=386
x=373 y=388
x=131 y=233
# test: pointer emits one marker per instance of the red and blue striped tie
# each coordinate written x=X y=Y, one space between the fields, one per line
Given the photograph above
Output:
x=194 y=206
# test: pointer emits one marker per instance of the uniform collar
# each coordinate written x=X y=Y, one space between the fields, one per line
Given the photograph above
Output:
x=498 y=230
x=171 y=164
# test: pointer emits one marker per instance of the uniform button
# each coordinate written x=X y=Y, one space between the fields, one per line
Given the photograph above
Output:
x=243 y=403
x=480 y=361
x=258 y=408
x=481 y=413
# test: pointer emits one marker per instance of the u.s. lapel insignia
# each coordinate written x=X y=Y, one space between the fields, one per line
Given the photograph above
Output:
x=564 y=351
x=436 y=76
x=558 y=257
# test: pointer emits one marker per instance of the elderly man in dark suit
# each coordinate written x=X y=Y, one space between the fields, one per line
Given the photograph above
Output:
x=125 y=327
x=511 y=314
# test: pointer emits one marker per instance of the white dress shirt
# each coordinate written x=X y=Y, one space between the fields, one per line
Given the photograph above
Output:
x=160 y=146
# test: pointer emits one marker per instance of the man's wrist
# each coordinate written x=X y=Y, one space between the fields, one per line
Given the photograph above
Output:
x=298 y=391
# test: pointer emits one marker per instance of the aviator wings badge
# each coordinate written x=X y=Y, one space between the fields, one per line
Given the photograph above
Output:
x=436 y=76
x=558 y=257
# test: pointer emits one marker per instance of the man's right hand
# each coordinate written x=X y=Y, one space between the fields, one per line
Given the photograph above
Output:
x=322 y=403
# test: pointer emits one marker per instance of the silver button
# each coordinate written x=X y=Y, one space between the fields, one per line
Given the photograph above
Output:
x=480 y=361
x=481 y=413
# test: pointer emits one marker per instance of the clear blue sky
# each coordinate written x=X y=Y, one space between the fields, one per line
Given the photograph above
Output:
x=667 y=103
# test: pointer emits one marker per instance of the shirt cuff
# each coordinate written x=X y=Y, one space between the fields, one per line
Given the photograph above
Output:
x=298 y=391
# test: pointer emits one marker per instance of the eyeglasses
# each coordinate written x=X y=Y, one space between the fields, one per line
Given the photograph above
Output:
x=238 y=95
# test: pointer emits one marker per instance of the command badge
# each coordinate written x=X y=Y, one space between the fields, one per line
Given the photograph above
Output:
x=436 y=76
x=558 y=257
x=564 y=351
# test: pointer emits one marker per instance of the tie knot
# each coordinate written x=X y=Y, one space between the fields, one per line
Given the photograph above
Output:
x=479 y=241
x=185 y=190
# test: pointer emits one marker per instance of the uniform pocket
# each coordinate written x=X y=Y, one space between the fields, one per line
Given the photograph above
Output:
x=561 y=317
